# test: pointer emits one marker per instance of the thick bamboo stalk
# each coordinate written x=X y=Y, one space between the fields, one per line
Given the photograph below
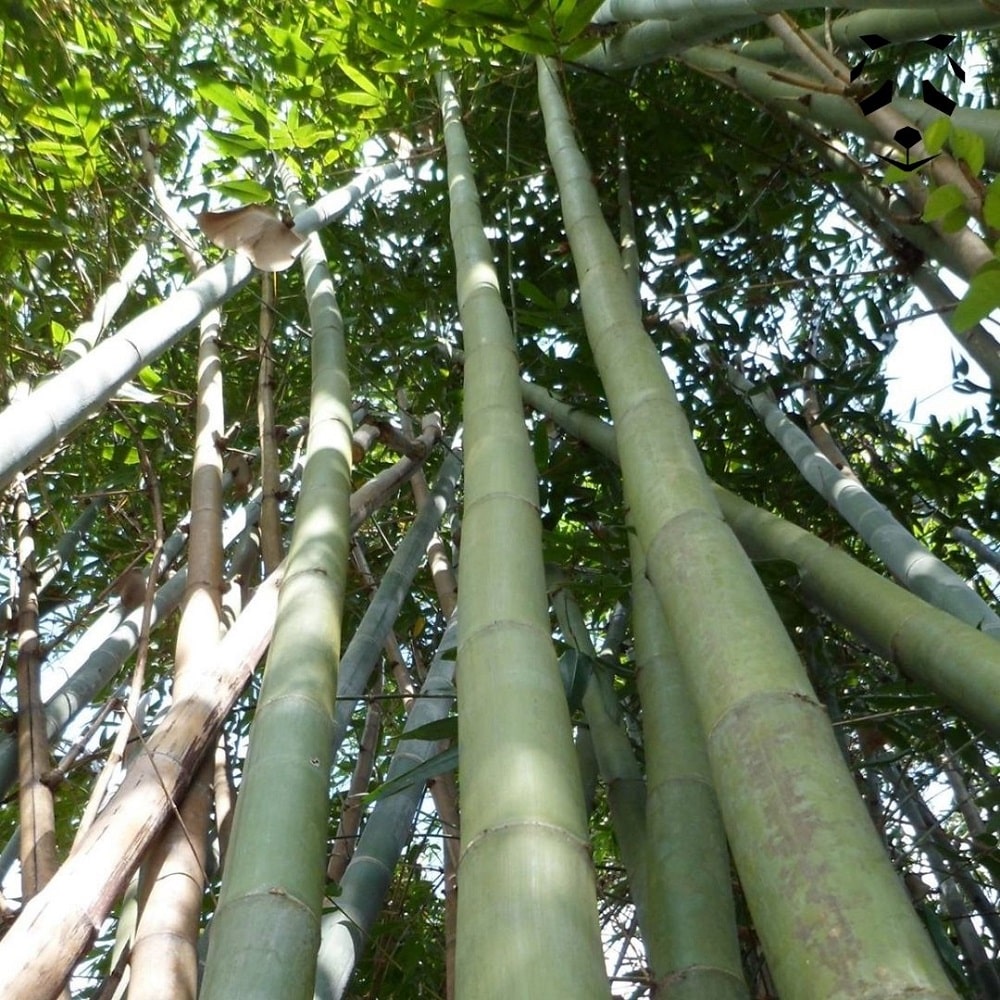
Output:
x=527 y=907
x=273 y=887
x=690 y=928
x=832 y=914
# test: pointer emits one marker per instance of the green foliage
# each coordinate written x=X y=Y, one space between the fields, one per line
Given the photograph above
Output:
x=991 y=205
x=982 y=297
x=942 y=203
x=407 y=959
x=970 y=148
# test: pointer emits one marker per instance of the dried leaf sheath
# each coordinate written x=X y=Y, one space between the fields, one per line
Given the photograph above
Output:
x=255 y=232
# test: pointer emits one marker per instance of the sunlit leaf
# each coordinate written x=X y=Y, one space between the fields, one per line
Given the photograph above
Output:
x=981 y=298
x=367 y=85
x=969 y=147
x=991 y=204
x=941 y=201
x=359 y=98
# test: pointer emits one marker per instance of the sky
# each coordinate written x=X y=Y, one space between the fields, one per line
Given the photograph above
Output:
x=920 y=369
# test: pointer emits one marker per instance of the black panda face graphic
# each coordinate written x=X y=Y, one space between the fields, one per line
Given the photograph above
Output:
x=908 y=136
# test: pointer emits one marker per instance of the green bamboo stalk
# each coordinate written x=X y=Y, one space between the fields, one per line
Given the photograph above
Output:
x=910 y=561
x=265 y=934
x=831 y=911
x=527 y=906
x=386 y=832
x=368 y=641
x=690 y=926
x=952 y=658
x=616 y=761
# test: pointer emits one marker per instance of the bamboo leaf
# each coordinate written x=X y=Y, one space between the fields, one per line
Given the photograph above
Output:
x=970 y=148
x=981 y=298
x=991 y=205
x=440 y=763
x=368 y=86
x=442 y=729
x=941 y=201
x=231 y=99
x=359 y=98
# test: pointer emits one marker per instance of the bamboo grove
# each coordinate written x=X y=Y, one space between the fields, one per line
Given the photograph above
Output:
x=532 y=586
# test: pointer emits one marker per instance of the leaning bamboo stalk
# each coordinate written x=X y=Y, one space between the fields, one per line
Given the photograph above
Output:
x=918 y=568
x=833 y=917
x=932 y=646
x=106 y=307
x=33 y=426
x=965 y=246
x=902 y=24
x=983 y=552
x=366 y=644
x=386 y=832
x=101 y=651
x=888 y=224
x=951 y=658
x=55 y=928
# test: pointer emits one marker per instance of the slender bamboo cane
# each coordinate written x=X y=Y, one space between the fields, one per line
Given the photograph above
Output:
x=690 y=929
x=164 y=960
x=366 y=881
x=616 y=760
x=910 y=561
